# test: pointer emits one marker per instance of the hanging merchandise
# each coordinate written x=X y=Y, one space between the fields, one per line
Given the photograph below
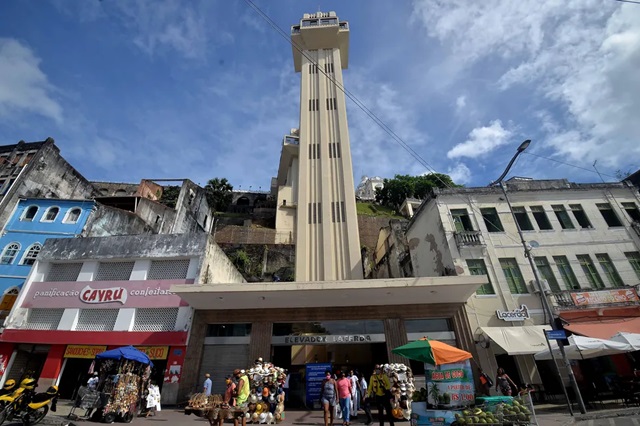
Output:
x=402 y=389
x=123 y=375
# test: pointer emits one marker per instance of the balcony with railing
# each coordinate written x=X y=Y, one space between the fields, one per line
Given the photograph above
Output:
x=591 y=298
x=468 y=238
x=636 y=227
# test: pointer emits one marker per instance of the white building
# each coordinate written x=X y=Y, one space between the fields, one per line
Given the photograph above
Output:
x=366 y=190
x=584 y=238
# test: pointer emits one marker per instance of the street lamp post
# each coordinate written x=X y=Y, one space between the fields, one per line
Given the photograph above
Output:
x=543 y=296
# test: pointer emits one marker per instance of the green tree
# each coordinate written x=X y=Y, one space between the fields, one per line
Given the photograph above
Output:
x=401 y=187
x=219 y=194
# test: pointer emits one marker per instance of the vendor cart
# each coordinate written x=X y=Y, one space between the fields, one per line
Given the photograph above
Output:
x=123 y=376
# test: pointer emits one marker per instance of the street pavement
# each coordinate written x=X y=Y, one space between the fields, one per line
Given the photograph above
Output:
x=173 y=416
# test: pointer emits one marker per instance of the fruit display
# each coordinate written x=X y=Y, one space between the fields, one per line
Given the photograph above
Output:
x=500 y=414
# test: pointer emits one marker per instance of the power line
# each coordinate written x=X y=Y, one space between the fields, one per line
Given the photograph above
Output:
x=365 y=109
x=569 y=164
x=629 y=1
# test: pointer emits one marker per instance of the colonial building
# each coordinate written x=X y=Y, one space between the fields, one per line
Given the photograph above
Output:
x=87 y=295
x=37 y=170
x=585 y=244
x=33 y=221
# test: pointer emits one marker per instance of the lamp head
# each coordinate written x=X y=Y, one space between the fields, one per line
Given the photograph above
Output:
x=524 y=145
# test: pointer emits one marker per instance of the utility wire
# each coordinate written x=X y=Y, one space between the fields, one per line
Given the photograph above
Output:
x=569 y=164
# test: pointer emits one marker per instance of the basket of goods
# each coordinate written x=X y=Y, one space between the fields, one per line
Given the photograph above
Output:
x=402 y=389
x=503 y=413
x=200 y=404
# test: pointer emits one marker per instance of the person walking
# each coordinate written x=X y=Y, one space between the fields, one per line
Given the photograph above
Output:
x=380 y=390
x=364 y=400
x=206 y=388
x=344 y=393
x=328 y=397
x=242 y=395
x=354 y=395
x=153 y=399
x=504 y=382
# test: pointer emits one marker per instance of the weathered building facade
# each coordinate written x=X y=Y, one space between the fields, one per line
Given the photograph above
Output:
x=87 y=295
x=585 y=245
x=37 y=170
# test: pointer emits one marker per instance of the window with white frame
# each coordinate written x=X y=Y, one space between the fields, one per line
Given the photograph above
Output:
x=29 y=214
x=155 y=319
x=168 y=269
x=29 y=257
x=44 y=319
x=9 y=253
x=51 y=214
x=97 y=319
x=72 y=215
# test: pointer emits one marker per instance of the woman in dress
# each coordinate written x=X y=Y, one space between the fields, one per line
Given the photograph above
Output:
x=504 y=382
x=328 y=397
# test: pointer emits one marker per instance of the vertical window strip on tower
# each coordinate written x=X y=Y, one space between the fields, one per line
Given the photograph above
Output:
x=343 y=211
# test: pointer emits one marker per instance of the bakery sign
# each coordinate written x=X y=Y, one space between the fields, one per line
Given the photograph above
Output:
x=519 y=314
x=103 y=294
x=585 y=298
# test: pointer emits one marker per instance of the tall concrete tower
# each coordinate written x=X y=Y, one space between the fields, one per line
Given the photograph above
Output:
x=318 y=178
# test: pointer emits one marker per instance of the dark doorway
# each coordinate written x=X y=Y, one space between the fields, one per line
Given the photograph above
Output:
x=75 y=374
x=508 y=362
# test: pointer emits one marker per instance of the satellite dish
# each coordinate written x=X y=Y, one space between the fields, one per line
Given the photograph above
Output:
x=534 y=244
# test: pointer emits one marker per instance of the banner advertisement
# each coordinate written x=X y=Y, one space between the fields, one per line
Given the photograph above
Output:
x=586 y=298
x=314 y=377
x=83 y=351
x=420 y=416
x=449 y=385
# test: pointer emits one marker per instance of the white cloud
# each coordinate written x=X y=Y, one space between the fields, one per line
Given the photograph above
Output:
x=482 y=140
x=24 y=87
x=581 y=56
x=461 y=102
x=459 y=173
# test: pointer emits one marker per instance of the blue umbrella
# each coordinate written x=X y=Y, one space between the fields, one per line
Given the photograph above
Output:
x=126 y=352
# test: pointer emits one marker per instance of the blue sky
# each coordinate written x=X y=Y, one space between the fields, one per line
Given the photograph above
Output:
x=133 y=89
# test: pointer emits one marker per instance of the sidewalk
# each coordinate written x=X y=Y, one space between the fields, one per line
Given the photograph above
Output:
x=548 y=415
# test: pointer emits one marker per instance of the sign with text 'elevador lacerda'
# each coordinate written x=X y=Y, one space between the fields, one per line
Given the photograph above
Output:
x=449 y=385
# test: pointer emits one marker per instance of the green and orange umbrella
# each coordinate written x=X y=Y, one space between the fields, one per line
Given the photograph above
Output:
x=432 y=352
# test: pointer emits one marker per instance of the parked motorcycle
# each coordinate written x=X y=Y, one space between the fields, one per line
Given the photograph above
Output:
x=27 y=405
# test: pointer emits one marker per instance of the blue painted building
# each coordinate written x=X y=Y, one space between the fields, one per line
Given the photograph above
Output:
x=33 y=221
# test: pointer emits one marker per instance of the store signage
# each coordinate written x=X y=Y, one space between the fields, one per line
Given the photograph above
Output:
x=104 y=294
x=326 y=339
x=154 y=352
x=515 y=315
x=555 y=334
x=586 y=298
x=450 y=385
x=314 y=377
x=83 y=351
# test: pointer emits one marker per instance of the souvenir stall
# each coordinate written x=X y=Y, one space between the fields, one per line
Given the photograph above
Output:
x=449 y=397
x=402 y=389
x=124 y=374
x=266 y=400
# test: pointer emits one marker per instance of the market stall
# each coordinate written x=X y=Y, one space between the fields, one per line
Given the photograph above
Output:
x=265 y=404
x=449 y=397
x=123 y=376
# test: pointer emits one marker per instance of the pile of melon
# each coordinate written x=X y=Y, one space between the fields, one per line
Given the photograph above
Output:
x=501 y=414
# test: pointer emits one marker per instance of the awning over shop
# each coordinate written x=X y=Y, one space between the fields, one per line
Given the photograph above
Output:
x=524 y=340
x=606 y=328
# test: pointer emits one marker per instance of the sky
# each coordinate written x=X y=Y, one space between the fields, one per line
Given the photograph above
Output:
x=133 y=89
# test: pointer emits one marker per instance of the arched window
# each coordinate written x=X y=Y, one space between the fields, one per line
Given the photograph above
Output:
x=9 y=253
x=29 y=213
x=51 y=214
x=9 y=298
x=29 y=257
x=72 y=215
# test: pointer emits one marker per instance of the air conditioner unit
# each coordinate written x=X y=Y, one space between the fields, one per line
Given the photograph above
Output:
x=533 y=287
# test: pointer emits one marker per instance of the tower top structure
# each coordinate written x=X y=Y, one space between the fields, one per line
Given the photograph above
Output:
x=320 y=30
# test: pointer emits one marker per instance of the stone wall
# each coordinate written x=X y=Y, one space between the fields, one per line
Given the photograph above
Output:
x=108 y=221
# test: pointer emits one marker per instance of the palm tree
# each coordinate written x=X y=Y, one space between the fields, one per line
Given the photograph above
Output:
x=219 y=194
